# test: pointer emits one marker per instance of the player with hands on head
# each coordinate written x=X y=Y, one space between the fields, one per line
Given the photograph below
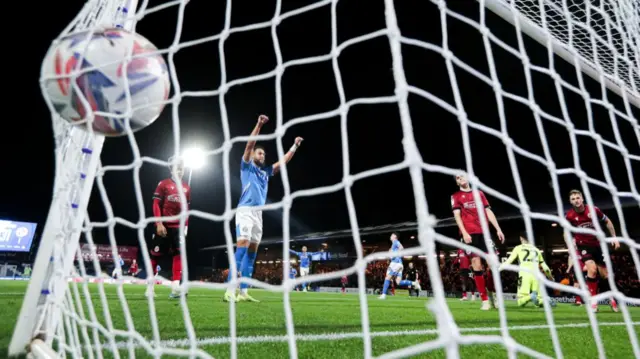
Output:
x=166 y=238
x=465 y=212
x=588 y=245
x=395 y=269
x=254 y=177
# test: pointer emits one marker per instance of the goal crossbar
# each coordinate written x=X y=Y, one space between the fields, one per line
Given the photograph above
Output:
x=629 y=89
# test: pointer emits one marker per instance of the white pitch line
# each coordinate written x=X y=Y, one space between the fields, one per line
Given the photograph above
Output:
x=178 y=343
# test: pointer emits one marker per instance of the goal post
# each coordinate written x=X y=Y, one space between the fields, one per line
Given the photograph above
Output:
x=584 y=35
x=601 y=41
x=77 y=157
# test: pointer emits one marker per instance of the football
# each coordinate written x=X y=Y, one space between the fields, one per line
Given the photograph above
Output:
x=88 y=81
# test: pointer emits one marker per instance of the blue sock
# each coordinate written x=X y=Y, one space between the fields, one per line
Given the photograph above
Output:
x=405 y=283
x=247 y=267
x=240 y=252
x=304 y=286
x=386 y=286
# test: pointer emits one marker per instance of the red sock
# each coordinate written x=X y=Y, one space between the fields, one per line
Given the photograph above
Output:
x=480 y=285
x=176 y=267
x=464 y=294
x=489 y=282
x=154 y=266
x=578 y=299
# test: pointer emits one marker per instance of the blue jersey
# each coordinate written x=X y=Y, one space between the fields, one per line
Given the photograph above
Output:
x=255 y=184
x=396 y=246
x=121 y=262
x=292 y=273
x=158 y=268
x=305 y=257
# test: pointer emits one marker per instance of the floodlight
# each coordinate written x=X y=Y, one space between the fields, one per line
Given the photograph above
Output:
x=194 y=158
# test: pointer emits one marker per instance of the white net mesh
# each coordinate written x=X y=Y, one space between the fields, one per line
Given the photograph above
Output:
x=604 y=33
x=76 y=321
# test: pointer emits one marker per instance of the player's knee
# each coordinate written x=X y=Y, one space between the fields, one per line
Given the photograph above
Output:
x=242 y=242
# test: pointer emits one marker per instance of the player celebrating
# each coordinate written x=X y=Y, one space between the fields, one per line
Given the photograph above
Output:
x=305 y=263
x=254 y=175
x=465 y=274
x=530 y=260
x=589 y=246
x=467 y=218
x=166 y=239
x=395 y=269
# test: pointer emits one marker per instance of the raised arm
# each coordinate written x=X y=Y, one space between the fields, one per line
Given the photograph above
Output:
x=294 y=252
x=262 y=119
x=288 y=156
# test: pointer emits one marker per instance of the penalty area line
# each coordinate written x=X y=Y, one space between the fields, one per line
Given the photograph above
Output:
x=180 y=343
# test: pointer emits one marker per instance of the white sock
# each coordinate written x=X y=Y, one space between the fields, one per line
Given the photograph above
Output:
x=244 y=291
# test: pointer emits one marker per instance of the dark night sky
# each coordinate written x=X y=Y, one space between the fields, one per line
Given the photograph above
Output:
x=374 y=131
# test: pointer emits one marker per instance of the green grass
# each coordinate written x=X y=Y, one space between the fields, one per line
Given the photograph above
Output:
x=328 y=325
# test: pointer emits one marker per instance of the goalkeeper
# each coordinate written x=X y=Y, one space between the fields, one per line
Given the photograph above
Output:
x=530 y=259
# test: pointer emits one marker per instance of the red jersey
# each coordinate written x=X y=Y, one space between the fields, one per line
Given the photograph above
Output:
x=134 y=268
x=166 y=201
x=462 y=259
x=344 y=279
x=464 y=202
x=583 y=220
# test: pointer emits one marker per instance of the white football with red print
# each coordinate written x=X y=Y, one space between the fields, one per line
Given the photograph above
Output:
x=86 y=79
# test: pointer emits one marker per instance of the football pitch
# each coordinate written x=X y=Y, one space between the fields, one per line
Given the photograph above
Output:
x=328 y=325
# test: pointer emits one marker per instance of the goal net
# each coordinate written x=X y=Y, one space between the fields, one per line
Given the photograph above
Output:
x=587 y=54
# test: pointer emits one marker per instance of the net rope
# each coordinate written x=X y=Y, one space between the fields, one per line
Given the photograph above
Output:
x=605 y=33
x=67 y=314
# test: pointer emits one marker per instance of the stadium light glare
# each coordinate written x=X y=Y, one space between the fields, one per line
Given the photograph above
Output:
x=194 y=158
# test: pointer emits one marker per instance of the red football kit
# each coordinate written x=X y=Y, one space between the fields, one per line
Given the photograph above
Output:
x=464 y=201
x=583 y=220
x=166 y=201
